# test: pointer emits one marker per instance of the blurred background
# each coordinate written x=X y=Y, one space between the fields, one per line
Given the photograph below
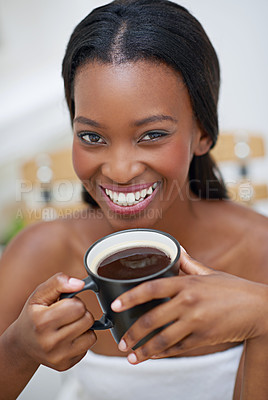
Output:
x=37 y=181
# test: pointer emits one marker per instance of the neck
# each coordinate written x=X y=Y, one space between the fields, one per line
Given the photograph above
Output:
x=182 y=218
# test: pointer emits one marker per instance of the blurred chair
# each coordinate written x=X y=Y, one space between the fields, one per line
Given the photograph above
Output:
x=49 y=187
x=241 y=149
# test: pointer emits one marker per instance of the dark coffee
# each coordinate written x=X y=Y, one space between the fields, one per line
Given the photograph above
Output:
x=133 y=263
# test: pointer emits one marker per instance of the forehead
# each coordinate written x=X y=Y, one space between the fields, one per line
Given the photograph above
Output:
x=137 y=86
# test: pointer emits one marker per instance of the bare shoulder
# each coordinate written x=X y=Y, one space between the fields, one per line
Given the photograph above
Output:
x=244 y=219
x=36 y=253
x=246 y=233
x=32 y=257
x=45 y=248
x=37 y=240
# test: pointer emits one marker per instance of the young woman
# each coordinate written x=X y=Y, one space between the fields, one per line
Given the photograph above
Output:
x=141 y=82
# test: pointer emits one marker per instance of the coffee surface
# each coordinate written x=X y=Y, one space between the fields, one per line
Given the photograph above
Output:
x=133 y=263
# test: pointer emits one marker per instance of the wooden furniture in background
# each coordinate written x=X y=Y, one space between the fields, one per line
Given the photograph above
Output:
x=51 y=188
x=241 y=148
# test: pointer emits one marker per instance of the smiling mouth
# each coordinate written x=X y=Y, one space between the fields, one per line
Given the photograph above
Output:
x=130 y=198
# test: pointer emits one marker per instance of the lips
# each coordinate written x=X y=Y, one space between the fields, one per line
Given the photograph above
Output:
x=130 y=200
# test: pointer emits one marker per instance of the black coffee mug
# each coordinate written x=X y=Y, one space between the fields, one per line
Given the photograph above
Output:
x=107 y=290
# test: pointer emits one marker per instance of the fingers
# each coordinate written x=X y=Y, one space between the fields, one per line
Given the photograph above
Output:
x=152 y=320
x=192 y=267
x=49 y=335
x=61 y=322
x=58 y=332
x=64 y=312
x=186 y=344
x=160 y=288
x=49 y=291
x=155 y=289
x=83 y=343
x=75 y=329
x=64 y=357
x=78 y=350
x=175 y=334
x=74 y=361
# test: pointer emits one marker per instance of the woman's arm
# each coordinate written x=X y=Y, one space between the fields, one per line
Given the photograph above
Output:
x=49 y=332
x=255 y=378
x=16 y=369
x=36 y=328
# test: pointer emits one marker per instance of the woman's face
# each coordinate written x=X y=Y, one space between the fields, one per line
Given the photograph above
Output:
x=134 y=138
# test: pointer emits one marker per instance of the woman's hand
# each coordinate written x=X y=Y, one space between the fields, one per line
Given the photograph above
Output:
x=50 y=332
x=206 y=307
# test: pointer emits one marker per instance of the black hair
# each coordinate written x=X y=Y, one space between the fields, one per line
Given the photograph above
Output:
x=160 y=31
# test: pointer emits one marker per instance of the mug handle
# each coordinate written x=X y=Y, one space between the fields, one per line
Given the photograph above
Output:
x=104 y=322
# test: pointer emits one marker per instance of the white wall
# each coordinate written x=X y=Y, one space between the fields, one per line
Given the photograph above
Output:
x=239 y=30
x=33 y=36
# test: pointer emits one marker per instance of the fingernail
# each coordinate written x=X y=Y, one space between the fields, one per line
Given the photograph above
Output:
x=122 y=345
x=75 y=283
x=116 y=305
x=183 y=249
x=132 y=358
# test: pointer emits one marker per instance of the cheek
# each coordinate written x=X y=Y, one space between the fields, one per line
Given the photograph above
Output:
x=83 y=164
x=175 y=161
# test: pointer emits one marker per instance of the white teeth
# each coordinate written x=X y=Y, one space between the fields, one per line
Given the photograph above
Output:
x=137 y=195
x=114 y=196
x=121 y=199
x=130 y=198
x=143 y=192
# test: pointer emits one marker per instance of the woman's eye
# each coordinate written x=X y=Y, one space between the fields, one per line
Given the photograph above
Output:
x=91 y=138
x=152 y=136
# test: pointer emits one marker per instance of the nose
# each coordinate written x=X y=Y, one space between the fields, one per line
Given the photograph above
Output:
x=122 y=166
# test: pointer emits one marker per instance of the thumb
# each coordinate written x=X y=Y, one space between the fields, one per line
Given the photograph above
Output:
x=49 y=291
x=192 y=267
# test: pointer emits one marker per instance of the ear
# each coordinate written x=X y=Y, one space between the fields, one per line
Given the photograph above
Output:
x=203 y=143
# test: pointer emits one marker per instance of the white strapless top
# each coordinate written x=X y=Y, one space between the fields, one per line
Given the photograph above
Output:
x=98 y=377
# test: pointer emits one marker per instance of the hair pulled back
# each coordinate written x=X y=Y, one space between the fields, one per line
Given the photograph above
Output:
x=160 y=31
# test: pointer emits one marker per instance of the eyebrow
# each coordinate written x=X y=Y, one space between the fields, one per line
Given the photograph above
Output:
x=87 y=121
x=152 y=118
